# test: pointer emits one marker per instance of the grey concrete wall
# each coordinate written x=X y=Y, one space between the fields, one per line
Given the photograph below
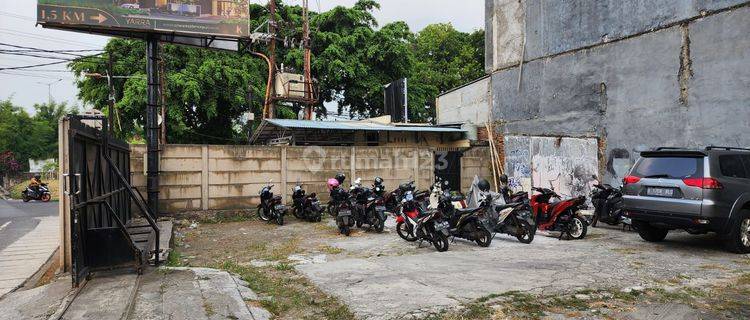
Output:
x=686 y=85
x=553 y=27
x=204 y=177
x=467 y=104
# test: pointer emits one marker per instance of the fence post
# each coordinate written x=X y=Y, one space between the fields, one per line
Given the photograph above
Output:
x=283 y=175
x=416 y=167
x=353 y=165
x=204 y=177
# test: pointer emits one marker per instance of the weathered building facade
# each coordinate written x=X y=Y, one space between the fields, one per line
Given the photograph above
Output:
x=617 y=77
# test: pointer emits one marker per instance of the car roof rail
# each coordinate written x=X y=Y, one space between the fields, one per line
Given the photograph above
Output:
x=726 y=148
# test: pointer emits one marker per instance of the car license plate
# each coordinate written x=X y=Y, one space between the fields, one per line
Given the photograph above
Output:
x=660 y=192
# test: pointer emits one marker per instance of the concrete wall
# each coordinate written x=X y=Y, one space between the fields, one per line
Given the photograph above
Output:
x=683 y=84
x=470 y=103
x=569 y=165
x=475 y=162
x=200 y=177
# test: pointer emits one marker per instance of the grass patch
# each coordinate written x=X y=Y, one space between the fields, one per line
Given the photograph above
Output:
x=289 y=295
x=284 y=266
x=330 y=249
x=174 y=259
x=228 y=217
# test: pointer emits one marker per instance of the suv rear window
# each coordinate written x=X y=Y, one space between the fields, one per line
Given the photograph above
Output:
x=731 y=166
x=669 y=167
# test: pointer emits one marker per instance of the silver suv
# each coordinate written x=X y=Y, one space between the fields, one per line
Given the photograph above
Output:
x=699 y=191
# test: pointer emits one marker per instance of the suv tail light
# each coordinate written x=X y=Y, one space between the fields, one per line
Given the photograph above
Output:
x=703 y=183
x=630 y=180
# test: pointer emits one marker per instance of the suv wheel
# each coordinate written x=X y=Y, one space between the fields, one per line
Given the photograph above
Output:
x=739 y=237
x=651 y=234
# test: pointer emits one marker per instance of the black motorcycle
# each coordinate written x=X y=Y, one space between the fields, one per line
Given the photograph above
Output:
x=607 y=202
x=342 y=210
x=271 y=208
x=465 y=223
x=41 y=193
x=415 y=224
x=306 y=207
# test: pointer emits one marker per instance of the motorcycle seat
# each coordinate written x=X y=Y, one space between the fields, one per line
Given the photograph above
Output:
x=507 y=205
x=469 y=210
x=277 y=198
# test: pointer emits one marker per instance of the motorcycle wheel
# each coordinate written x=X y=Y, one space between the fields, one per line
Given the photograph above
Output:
x=379 y=225
x=297 y=213
x=262 y=214
x=26 y=198
x=577 y=228
x=403 y=231
x=279 y=219
x=525 y=232
x=46 y=197
x=345 y=230
x=484 y=239
x=440 y=241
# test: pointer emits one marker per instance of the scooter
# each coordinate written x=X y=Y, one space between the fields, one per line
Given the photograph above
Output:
x=469 y=224
x=413 y=225
x=306 y=207
x=271 y=208
x=342 y=210
x=42 y=194
x=551 y=213
x=607 y=203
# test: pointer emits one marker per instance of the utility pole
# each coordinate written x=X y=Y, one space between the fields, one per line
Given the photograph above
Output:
x=308 y=74
x=270 y=109
x=111 y=85
x=49 y=90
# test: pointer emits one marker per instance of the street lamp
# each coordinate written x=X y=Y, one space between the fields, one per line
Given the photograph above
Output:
x=49 y=90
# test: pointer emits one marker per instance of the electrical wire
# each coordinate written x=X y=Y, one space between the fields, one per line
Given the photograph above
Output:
x=22 y=34
x=45 y=50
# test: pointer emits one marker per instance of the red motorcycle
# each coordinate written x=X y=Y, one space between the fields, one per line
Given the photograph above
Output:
x=554 y=214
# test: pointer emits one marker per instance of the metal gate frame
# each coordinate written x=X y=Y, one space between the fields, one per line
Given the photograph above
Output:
x=97 y=207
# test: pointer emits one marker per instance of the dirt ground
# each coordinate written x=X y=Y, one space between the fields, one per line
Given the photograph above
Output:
x=307 y=271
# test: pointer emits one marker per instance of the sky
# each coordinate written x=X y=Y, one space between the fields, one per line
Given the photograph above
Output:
x=26 y=88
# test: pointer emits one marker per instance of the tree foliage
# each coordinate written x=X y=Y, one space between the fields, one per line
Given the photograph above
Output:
x=30 y=137
x=352 y=58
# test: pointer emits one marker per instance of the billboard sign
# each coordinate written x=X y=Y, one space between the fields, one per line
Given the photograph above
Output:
x=227 y=18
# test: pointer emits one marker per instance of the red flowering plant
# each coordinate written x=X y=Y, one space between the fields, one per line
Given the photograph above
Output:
x=8 y=163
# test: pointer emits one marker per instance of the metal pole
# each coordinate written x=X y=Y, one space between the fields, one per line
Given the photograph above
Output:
x=270 y=105
x=152 y=127
x=110 y=83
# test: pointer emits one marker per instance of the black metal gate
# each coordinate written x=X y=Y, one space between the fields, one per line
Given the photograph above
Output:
x=448 y=168
x=98 y=184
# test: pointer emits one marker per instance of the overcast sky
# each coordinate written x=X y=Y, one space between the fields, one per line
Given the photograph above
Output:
x=17 y=27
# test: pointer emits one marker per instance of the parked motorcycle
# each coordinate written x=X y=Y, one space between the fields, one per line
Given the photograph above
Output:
x=469 y=224
x=341 y=207
x=554 y=214
x=306 y=207
x=271 y=208
x=368 y=210
x=42 y=194
x=515 y=219
x=607 y=202
x=413 y=225
x=393 y=199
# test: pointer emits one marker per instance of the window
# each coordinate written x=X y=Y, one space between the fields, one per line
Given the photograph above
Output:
x=731 y=166
x=670 y=167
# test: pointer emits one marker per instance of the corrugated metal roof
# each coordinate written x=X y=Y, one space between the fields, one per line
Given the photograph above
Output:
x=356 y=125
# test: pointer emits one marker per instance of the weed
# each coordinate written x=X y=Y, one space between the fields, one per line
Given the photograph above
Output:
x=174 y=259
x=284 y=267
x=330 y=249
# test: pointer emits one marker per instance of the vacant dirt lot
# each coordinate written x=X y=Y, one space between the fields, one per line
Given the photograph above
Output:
x=610 y=274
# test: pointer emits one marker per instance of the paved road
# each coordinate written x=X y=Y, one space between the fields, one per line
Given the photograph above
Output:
x=18 y=218
x=29 y=234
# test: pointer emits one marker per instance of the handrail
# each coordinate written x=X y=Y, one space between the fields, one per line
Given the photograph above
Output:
x=140 y=204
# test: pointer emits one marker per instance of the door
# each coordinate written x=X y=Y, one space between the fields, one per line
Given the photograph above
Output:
x=448 y=168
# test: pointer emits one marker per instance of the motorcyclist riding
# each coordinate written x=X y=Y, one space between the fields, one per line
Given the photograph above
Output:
x=35 y=183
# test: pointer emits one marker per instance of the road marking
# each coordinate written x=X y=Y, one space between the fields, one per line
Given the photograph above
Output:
x=4 y=225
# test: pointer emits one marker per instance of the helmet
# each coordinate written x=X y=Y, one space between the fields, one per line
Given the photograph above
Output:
x=340 y=177
x=484 y=185
x=378 y=180
x=332 y=183
x=504 y=179
x=37 y=176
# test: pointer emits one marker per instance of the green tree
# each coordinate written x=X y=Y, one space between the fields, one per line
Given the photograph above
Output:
x=25 y=136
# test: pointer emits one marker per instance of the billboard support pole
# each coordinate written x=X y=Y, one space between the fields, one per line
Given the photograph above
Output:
x=152 y=125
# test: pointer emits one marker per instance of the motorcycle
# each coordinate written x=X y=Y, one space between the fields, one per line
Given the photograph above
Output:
x=393 y=199
x=42 y=194
x=367 y=210
x=468 y=224
x=413 y=225
x=554 y=214
x=342 y=210
x=271 y=208
x=306 y=207
x=515 y=219
x=607 y=203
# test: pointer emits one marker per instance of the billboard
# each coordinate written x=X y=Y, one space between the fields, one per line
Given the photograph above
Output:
x=227 y=18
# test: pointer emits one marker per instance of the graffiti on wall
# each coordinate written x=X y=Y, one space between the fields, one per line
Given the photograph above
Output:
x=568 y=165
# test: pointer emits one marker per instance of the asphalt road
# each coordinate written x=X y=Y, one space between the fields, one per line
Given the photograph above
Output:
x=18 y=218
